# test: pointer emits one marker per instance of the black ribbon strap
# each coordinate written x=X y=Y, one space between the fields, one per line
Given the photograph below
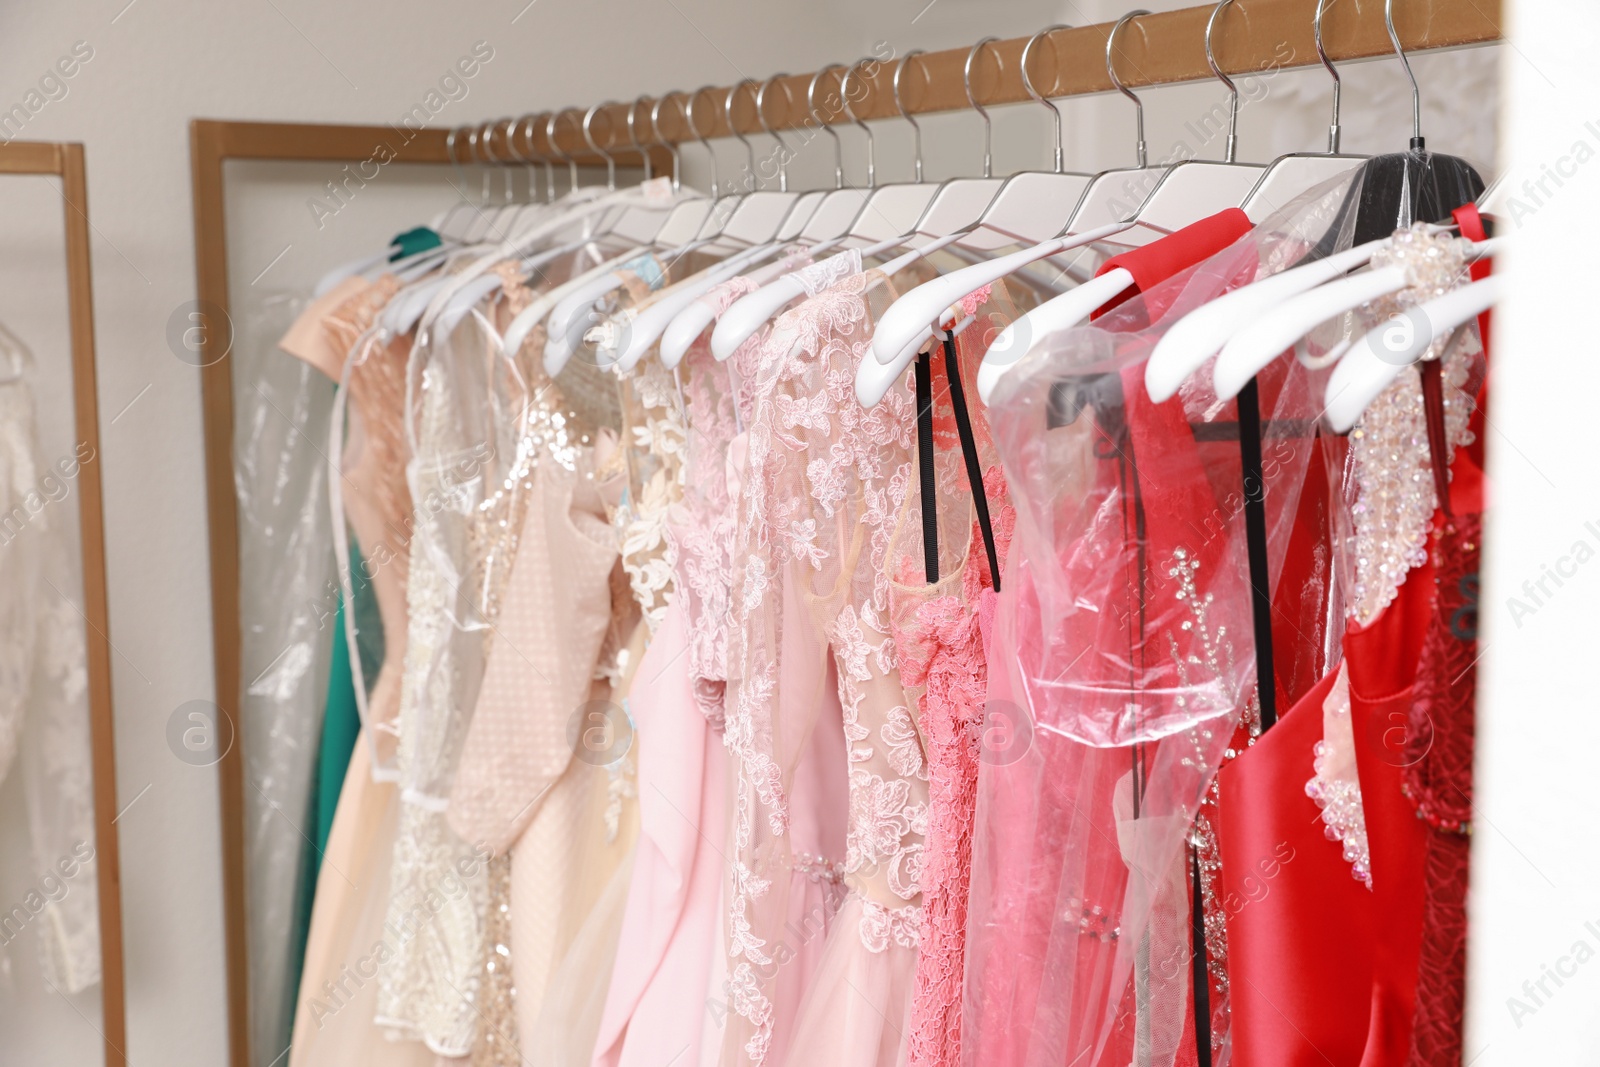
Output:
x=969 y=452
x=1255 y=529
x=930 y=503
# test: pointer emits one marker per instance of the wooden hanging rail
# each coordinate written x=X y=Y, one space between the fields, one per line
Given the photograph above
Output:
x=1164 y=49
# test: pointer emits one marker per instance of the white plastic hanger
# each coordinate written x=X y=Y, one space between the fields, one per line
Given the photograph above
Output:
x=910 y=316
x=1197 y=336
x=908 y=323
x=1376 y=358
x=1247 y=352
x=1259 y=343
x=886 y=203
x=565 y=330
x=763 y=214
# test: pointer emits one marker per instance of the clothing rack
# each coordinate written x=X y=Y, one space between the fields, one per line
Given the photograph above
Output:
x=66 y=161
x=1158 y=49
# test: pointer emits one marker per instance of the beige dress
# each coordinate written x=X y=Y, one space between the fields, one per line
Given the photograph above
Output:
x=347 y=942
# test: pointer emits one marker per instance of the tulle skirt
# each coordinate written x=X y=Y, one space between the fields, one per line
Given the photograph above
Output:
x=856 y=1010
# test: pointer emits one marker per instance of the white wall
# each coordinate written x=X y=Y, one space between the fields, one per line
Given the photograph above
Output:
x=158 y=63
x=1534 y=981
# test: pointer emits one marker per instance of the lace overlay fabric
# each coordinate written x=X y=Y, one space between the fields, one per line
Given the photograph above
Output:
x=654 y=447
x=699 y=529
x=44 y=706
x=825 y=482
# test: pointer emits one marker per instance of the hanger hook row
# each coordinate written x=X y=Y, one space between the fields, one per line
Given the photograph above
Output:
x=695 y=129
x=844 y=94
x=1116 y=82
x=811 y=106
x=1416 y=93
x=916 y=127
x=727 y=114
x=761 y=117
x=1233 y=90
x=988 y=129
x=1027 y=83
x=588 y=136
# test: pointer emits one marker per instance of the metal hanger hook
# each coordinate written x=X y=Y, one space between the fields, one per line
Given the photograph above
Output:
x=510 y=154
x=688 y=114
x=916 y=128
x=761 y=117
x=482 y=159
x=988 y=128
x=450 y=150
x=526 y=160
x=633 y=136
x=811 y=106
x=533 y=122
x=550 y=125
x=1111 y=72
x=1333 y=72
x=1233 y=90
x=727 y=113
x=844 y=94
x=611 y=164
x=1027 y=83
x=655 y=128
x=1416 y=94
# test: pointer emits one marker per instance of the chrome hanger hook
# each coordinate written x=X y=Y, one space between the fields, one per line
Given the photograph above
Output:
x=988 y=128
x=916 y=128
x=530 y=121
x=811 y=106
x=488 y=144
x=688 y=114
x=1111 y=72
x=633 y=136
x=450 y=151
x=1416 y=93
x=1027 y=83
x=761 y=117
x=482 y=160
x=611 y=164
x=844 y=94
x=550 y=125
x=526 y=160
x=727 y=114
x=1233 y=90
x=1322 y=54
x=655 y=128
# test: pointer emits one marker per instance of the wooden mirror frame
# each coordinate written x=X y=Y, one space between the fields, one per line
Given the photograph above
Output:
x=66 y=161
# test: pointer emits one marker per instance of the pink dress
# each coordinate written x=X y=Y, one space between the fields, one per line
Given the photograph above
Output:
x=825 y=484
x=656 y=1005
x=1123 y=639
